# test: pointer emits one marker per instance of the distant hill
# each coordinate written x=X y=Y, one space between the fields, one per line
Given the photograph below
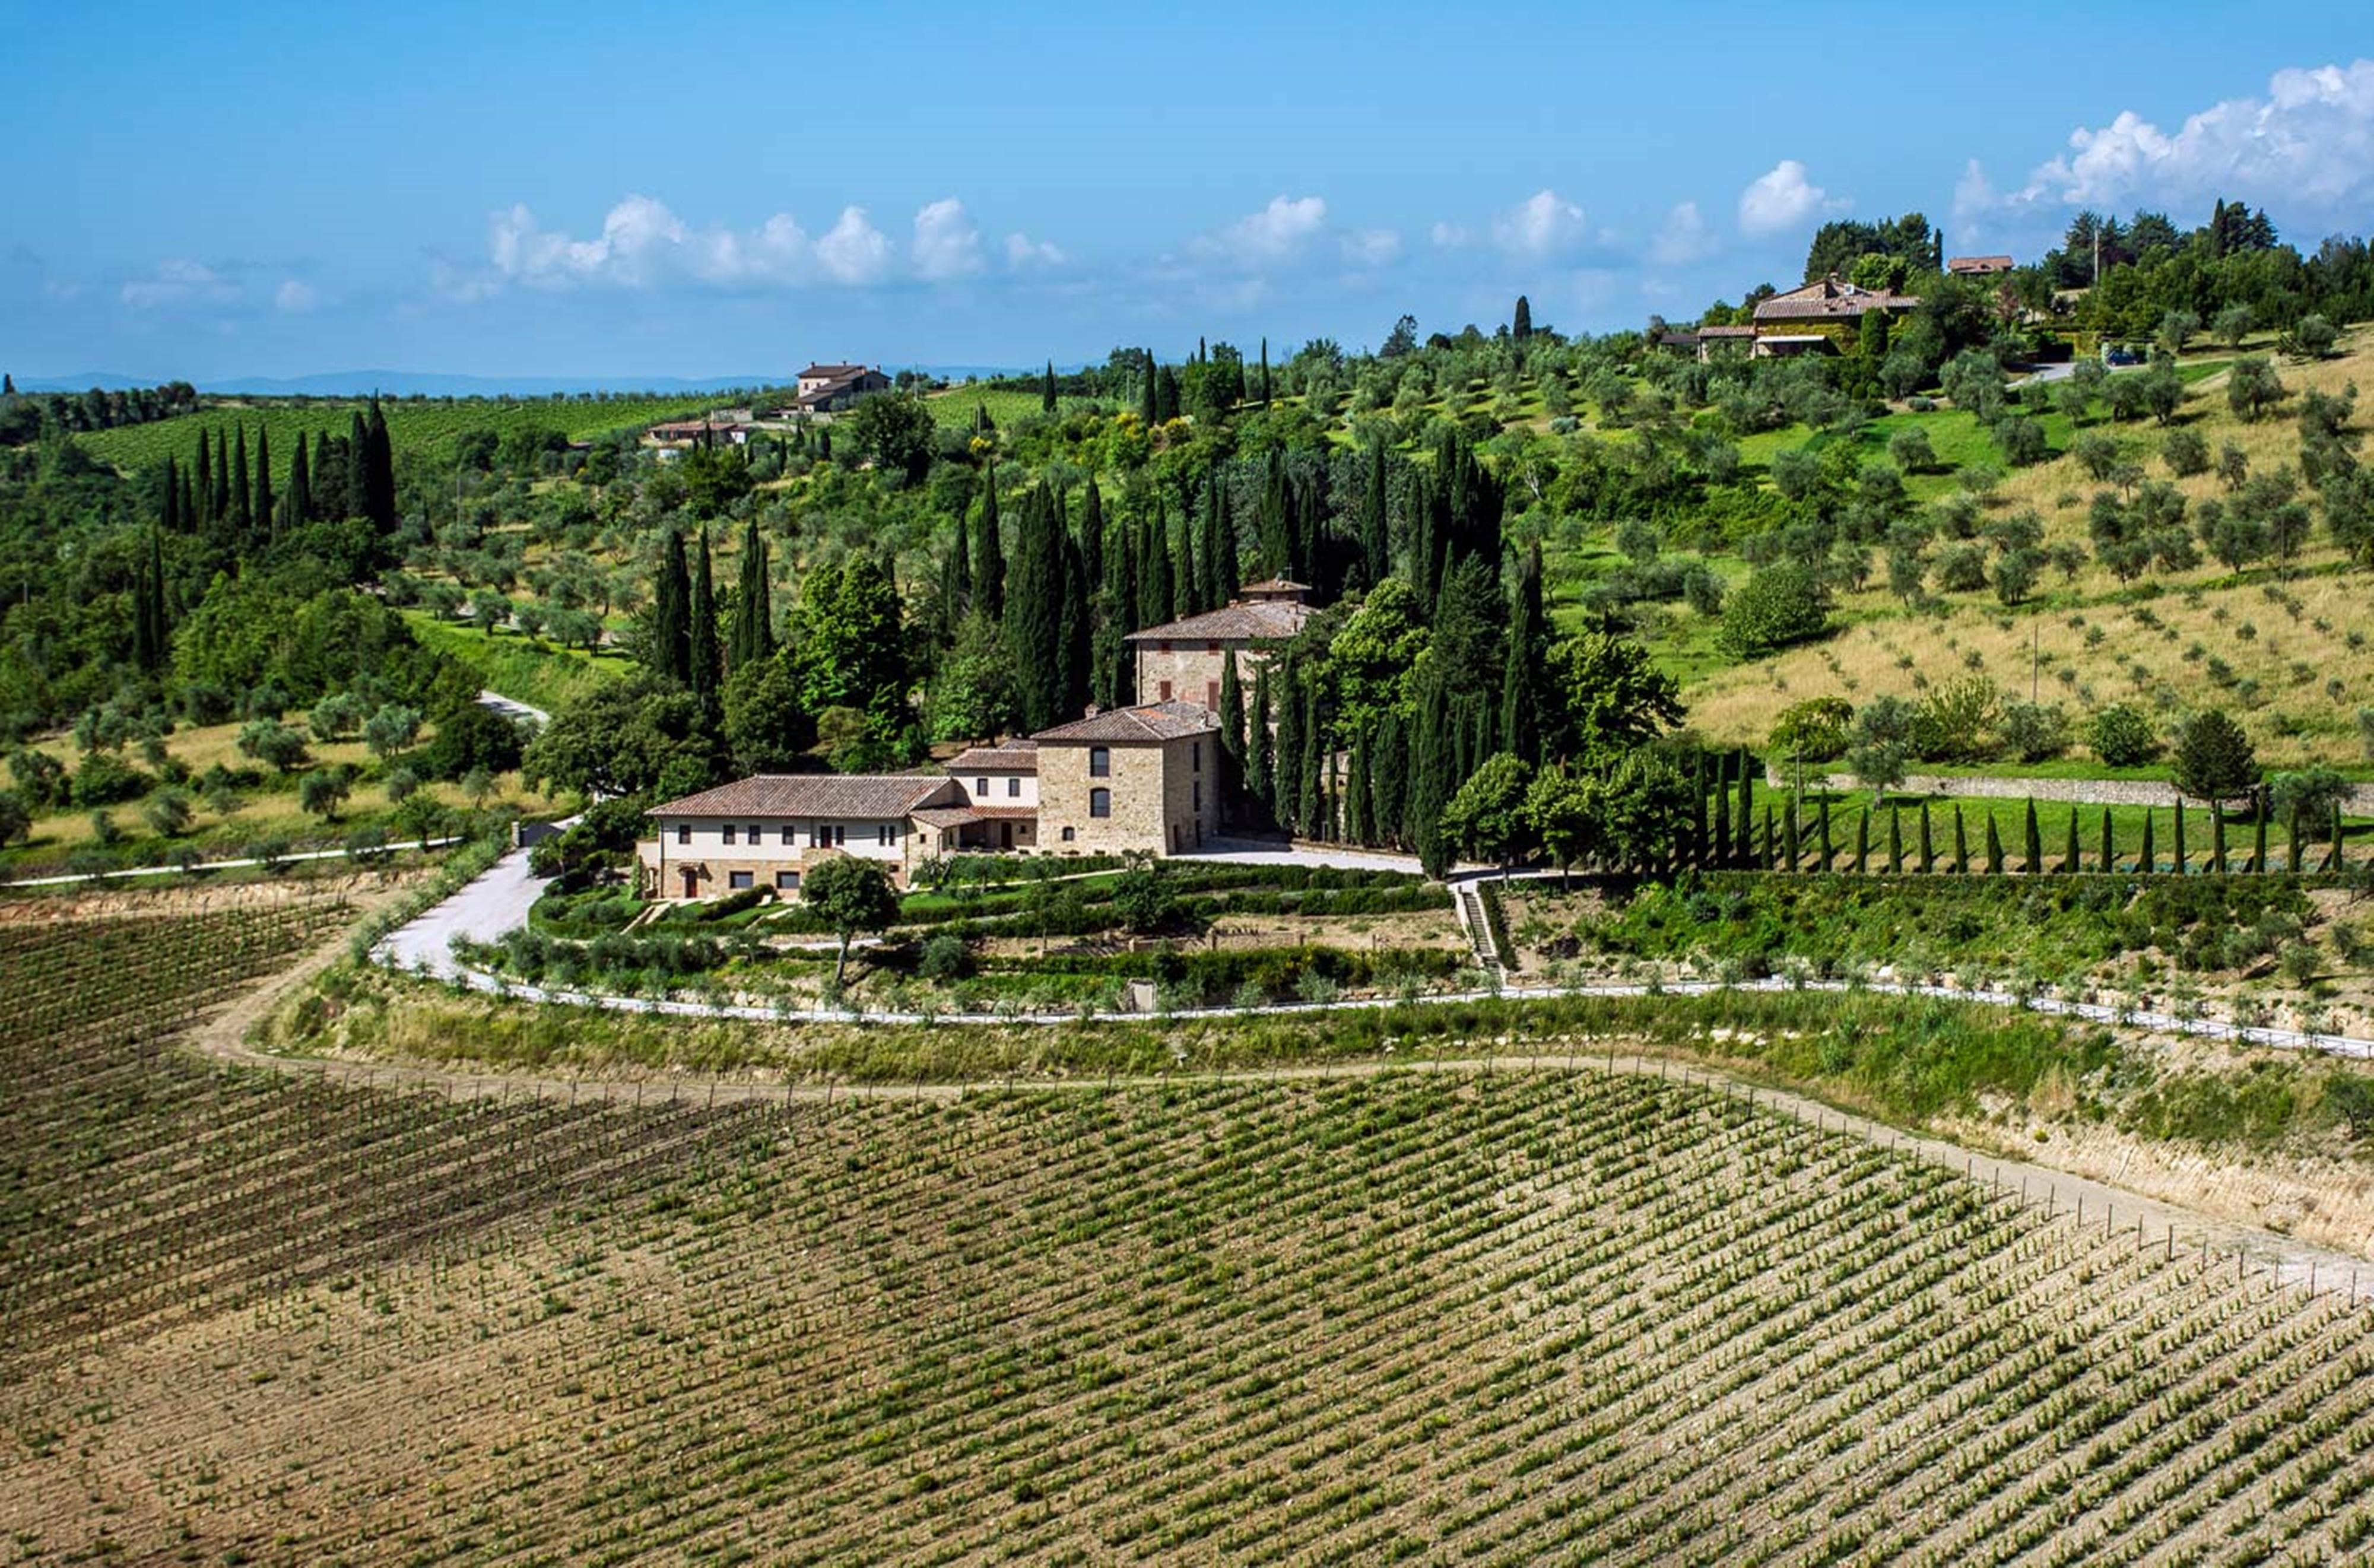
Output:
x=420 y=383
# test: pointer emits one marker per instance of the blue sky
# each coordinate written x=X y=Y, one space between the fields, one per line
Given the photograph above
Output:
x=588 y=191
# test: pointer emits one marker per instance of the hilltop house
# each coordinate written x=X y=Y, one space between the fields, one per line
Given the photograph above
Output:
x=1134 y=779
x=1977 y=266
x=1184 y=660
x=829 y=389
x=1822 y=317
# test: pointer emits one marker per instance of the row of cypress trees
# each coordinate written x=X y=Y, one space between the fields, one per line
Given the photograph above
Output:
x=228 y=502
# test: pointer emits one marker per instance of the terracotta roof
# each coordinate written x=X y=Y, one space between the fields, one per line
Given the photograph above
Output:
x=1261 y=619
x=962 y=816
x=1726 y=332
x=1979 y=264
x=1150 y=721
x=1276 y=585
x=873 y=796
x=836 y=372
x=1830 y=299
x=1012 y=757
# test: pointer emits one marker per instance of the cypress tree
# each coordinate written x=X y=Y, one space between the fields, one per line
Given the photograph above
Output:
x=1793 y=821
x=1961 y=845
x=2108 y=860
x=1862 y=842
x=1034 y=611
x=243 y=495
x=1078 y=620
x=189 y=508
x=703 y=628
x=1994 y=848
x=1233 y=736
x=265 y=518
x=2259 y=846
x=1312 y=807
x=1047 y=390
x=205 y=511
x=1165 y=395
x=218 y=509
x=2147 y=860
x=1388 y=781
x=168 y=515
x=754 y=604
x=2217 y=867
x=1285 y=789
x=1376 y=550
x=1220 y=553
x=1184 y=585
x=2334 y=859
x=1271 y=525
x=1359 y=819
x=2181 y=856
x=2031 y=843
x=1928 y=859
x=378 y=466
x=1521 y=734
x=2292 y=839
x=1146 y=401
x=357 y=481
x=1747 y=807
x=1428 y=788
x=955 y=576
x=1822 y=818
x=1092 y=535
x=672 y=614
x=1767 y=857
x=1264 y=372
x=1156 y=587
x=989 y=552
x=297 y=505
x=1721 y=850
x=2073 y=857
x=1520 y=324
x=1894 y=842
x=1260 y=759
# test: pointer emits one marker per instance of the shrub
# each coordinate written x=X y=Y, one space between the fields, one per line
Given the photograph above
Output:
x=2313 y=793
x=2034 y=731
x=2185 y=452
x=104 y=779
x=2213 y=760
x=1816 y=730
x=2021 y=441
x=1781 y=605
x=16 y=818
x=944 y=957
x=2121 y=737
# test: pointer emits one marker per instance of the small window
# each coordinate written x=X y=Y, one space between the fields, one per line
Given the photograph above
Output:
x=820 y=837
x=1067 y=835
x=1100 y=802
x=884 y=835
x=787 y=881
x=1211 y=647
x=726 y=833
x=788 y=839
x=756 y=838
x=684 y=833
x=1014 y=789
x=840 y=834
x=1166 y=692
x=980 y=789
x=1100 y=762
x=1195 y=757
x=1199 y=795
x=738 y=879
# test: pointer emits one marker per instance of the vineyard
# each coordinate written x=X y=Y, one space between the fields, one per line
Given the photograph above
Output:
x=424 y=429
x=1507 y=1317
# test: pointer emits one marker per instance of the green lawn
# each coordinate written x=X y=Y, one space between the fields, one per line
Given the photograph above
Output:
x=953 y=409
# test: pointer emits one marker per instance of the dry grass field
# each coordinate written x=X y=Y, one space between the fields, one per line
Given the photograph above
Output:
x=2293 y=648
x=247 y=1317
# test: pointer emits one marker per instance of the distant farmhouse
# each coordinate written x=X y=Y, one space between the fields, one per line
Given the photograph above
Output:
x=1822 y=317
x=829 y=389
x=1977 y=266
x=726 y=427
x=1133 y=779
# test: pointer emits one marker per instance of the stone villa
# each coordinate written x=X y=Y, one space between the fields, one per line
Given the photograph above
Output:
x=1184 y=660
x=1134 y=779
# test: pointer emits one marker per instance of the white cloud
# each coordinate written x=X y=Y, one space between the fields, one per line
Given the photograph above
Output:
x=1278 y=232
x=180 y=282
x=2309 y=141
x=1022 y=250
x=946 y=243
x=1371 y=247
x=642 y=243
x=1683 y=238
x=1449 y=236
x=1974 y=197
x=294 y=297
x=1782 y=199
x=1544 y=225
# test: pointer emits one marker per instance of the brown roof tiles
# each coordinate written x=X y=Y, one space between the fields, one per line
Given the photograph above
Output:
x=1147 y=722
x=869 y=795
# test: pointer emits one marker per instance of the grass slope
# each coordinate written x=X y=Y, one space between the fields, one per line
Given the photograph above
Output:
x=1510 y=1317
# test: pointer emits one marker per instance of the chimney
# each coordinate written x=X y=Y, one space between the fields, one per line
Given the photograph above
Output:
x=1091 y=713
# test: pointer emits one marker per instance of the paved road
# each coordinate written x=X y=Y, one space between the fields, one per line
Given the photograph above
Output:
x=496 y=902
x=513 y=709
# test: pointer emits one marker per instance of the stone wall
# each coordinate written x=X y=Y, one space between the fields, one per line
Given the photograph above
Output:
x=1194 y=670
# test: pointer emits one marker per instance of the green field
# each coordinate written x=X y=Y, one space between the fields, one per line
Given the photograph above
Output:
x=416 y=430
x=953 y=409
x=539 y=674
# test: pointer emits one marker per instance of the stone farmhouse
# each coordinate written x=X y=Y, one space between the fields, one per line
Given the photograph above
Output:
x=1143 y=778
x=829 y=389
x=1184 y=660
x=1822 y=317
